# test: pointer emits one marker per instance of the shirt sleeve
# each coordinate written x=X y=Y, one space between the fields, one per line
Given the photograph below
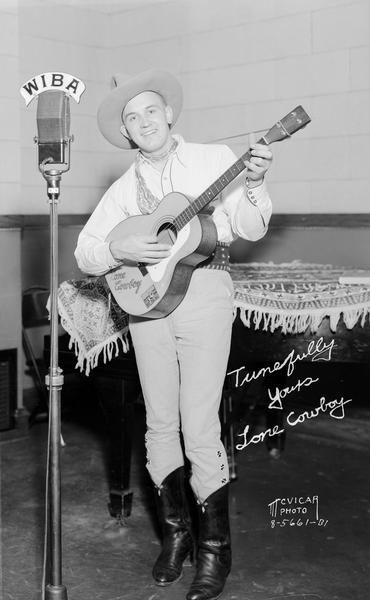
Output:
x=92 y=253
x=249 y=210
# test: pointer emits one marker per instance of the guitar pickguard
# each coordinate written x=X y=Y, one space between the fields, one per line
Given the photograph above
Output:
x=157 y=271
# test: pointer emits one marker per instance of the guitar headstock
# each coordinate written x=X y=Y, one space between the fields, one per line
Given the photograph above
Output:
x=292 y=122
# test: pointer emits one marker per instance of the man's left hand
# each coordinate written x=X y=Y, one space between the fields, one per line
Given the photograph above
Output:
x=259 y=163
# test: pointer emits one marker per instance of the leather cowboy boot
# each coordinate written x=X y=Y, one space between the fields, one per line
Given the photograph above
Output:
x=174 y=520
x=214 y=547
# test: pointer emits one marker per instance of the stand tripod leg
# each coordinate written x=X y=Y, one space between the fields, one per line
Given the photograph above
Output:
x=55 y=590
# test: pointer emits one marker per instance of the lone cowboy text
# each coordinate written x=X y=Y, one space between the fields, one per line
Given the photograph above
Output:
x=317 y=350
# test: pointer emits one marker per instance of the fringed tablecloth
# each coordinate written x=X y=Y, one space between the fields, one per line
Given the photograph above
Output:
x=296 y=296
x=291 y=296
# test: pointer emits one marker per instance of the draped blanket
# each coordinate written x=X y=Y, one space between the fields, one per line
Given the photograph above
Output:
x=291 y=296
x=93 y=319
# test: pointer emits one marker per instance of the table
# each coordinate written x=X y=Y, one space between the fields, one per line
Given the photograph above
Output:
x=289 y=298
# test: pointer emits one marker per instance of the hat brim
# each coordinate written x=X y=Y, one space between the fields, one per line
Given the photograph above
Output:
x=110 y=110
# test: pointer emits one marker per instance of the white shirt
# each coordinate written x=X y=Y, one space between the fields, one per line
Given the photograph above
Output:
x=191 y=169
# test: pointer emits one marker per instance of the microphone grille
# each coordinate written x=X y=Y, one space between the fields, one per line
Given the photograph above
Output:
x=53 y=116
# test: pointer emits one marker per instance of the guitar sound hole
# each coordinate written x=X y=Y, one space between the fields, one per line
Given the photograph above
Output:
x=167 y=234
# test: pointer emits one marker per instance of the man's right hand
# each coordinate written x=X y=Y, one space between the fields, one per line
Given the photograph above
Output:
x=138 y=248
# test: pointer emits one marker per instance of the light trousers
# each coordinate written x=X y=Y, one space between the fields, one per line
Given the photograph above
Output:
x=182 y=361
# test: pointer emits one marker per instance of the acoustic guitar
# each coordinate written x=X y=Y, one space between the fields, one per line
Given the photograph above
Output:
x=155 y=290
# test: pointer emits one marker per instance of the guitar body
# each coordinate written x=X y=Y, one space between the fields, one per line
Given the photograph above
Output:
x=154 y=291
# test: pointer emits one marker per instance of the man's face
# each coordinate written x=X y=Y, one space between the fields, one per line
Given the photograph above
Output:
x=146 y=121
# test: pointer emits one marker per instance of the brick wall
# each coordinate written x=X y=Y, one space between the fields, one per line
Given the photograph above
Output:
x=69 y=37
x=244 y=64
x=37 y=36
x=9 y=113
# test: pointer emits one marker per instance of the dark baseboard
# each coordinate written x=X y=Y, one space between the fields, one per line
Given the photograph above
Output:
x=278 y=221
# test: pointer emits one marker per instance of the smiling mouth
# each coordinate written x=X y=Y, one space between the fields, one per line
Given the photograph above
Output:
x=149 y=132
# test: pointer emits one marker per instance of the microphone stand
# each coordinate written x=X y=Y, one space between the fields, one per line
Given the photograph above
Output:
x=54 y=590
x=53 y=120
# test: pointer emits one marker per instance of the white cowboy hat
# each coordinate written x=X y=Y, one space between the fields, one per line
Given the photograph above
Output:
x=126 y=88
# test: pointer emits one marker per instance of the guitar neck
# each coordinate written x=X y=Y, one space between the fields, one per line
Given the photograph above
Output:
x=213 y=190
x=292 y=122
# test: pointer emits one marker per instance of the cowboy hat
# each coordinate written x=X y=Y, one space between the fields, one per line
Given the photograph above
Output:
x=127 y=87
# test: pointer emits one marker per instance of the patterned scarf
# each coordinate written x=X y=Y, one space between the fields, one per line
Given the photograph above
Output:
x=146 y=200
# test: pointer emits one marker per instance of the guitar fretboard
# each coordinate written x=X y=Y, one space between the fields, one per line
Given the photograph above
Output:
x=292 y=122
x=212 y=191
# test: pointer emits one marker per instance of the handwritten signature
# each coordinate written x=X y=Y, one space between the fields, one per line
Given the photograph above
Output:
x=317 y=350
x=279 y=395
x=335 y=407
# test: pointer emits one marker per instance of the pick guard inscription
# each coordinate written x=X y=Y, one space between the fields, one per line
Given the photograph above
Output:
x=120 y=283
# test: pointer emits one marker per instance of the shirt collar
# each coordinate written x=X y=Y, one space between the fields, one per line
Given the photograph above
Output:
x=180 y=151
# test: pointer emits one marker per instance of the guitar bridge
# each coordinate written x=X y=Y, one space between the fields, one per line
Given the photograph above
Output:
x=142 y=268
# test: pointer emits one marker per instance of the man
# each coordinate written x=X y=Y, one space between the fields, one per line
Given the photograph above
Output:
x=182 y=357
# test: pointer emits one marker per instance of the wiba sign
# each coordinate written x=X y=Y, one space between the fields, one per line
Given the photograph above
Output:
x=69 y=84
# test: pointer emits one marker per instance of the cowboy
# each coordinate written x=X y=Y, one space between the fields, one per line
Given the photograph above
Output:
x=182 y=357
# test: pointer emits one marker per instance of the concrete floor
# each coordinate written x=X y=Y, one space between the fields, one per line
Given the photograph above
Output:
x=324 y=457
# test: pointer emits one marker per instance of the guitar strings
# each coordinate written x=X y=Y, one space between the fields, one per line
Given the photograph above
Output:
x=231 y=137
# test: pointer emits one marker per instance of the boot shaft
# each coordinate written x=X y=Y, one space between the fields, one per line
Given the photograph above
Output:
x=171 y=503
x=213 y=519
x=214 y=547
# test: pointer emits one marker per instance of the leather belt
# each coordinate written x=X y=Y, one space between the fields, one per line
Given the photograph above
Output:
x=219 y=259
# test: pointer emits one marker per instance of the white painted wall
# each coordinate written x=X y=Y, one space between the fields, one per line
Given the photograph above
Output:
x=243 y=65
x=10 y=174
